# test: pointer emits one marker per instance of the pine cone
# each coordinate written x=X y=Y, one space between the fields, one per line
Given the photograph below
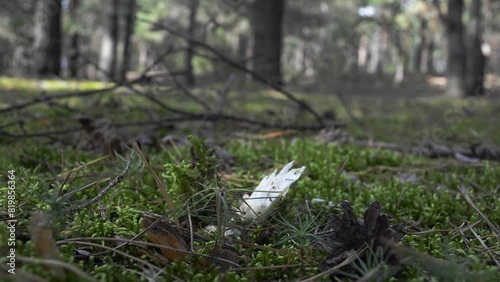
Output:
x=351 y=234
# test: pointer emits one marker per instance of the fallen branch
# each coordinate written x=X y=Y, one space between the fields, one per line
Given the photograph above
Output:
x=223 y=94
x=104 y=191
x=431 y=150
x=240 y=67
x=56 y=263
x=46 y=99
x=467 y=197
x=186 y=91
x=157 y=101
x=185 y=118
x=348 y=109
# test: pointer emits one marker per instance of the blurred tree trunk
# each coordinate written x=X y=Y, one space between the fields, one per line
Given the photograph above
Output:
x=129 y=33
x=456 y=51
x=400 y=56
x=476 y=61
x=143 y=56
x=6 y=55
x=421 y=51
x=109 y=45
x=429 y=59
x=47 y=45
x=194 y=5
x=74 y=55
x=242 y=53
x=362 y=53
x=268 y=32
x=378 y=50
x=74 y=50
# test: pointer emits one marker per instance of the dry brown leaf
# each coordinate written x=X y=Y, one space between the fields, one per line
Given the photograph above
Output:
x=165 y=234
x=270 y=135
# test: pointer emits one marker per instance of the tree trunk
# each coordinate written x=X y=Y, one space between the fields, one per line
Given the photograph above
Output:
x=362 y=52
x=267 y=33
x=194 y=5
x=74 y=55
x=456 y=50
x=400 y=57
x=74 y=48
x=429 y=62
x=242 y=53
x=421 y=50
x=129 y=33
x=109 y=45
x=47 y=38
x=476 y=60
x=143 y=56
x=6 y=55
x=377 y=52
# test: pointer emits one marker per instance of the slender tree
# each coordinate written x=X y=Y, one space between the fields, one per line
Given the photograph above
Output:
x=475 y=59
x=74 y=48
x=47 y=44
x=421 y=51
x=455 y=70
x=193 y=7
x=109 y=46
x=129 y=33
x=267 y=33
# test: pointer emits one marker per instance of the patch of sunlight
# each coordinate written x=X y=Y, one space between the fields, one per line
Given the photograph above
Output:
x=274 y=94
x=24 y=84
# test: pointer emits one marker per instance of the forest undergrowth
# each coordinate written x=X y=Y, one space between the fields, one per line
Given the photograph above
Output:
x=163 y=202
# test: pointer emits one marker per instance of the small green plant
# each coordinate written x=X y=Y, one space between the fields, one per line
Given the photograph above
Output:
x=190 y=178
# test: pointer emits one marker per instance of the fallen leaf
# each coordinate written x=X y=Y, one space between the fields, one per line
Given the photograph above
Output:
x=163 y=233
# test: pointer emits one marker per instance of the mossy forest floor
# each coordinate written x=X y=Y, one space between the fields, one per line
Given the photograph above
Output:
x=450 y=207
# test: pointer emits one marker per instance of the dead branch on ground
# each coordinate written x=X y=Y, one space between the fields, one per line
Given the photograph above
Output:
x=471 y=153
x=239 y=67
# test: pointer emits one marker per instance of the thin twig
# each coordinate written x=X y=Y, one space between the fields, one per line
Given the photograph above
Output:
x=167 y=121
x=486 y=249
x=191 y=232
x=161 y=186
x=271 y=267
x=348 y=109
x=348 y=260
x=224 y=92
x=57 y=263
x=456 y=229
x=371 y=273
x=10 y=124
x=57 y=97
x=158 y=101
x=432 y=150
x=103 y=192
x=140 y=243
x=47 y=134
x=24 y=275
x=46 y=99
x=464 y=192
x=151 y=266
x=186 y=91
